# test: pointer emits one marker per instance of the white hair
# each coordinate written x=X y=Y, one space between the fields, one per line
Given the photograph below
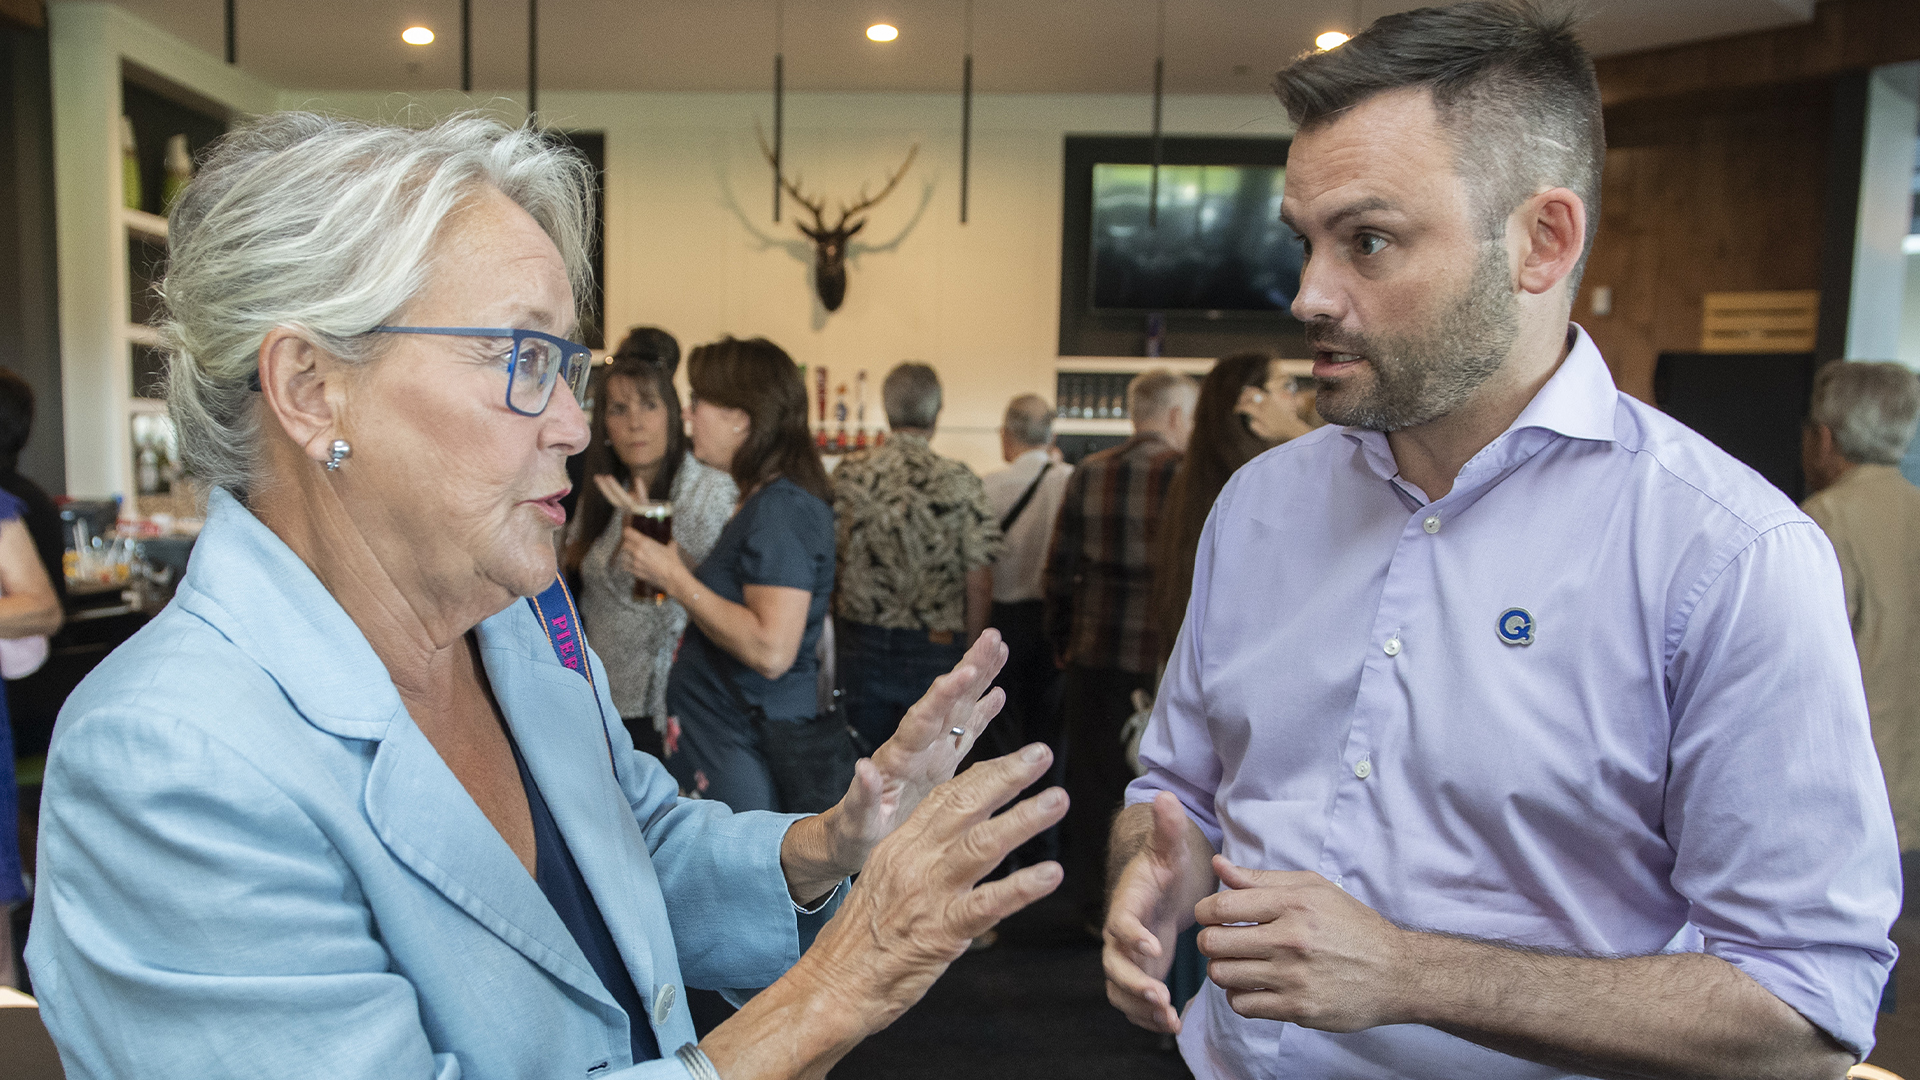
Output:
x=1152 y=393
x=326 y=226
x=1871 y=408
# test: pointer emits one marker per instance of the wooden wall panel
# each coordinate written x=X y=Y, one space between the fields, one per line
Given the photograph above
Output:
x=1702 y=200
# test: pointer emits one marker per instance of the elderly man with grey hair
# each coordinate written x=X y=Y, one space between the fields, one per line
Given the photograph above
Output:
x=915 y=542
x=1861 y=419
x=1025 y=497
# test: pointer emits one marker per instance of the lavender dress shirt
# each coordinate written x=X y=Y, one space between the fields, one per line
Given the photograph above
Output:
x=1602 y=696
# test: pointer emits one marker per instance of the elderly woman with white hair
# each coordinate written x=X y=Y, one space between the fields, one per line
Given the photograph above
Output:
x=357 y=804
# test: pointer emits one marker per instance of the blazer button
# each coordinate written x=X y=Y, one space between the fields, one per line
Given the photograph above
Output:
x=663 y=1004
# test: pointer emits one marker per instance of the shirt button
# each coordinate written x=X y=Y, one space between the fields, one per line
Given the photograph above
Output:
x=1432 y=524
x=663 y=1004
x=1392 y=647
x=1363 y=768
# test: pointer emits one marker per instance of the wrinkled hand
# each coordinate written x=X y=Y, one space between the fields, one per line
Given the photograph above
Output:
x=922 y=753
x=1151 y=904
x=1311 y=954
x=1273 y=418
x=916 y=907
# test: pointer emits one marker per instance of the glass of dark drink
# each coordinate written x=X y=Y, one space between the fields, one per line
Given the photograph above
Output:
x=655 y=521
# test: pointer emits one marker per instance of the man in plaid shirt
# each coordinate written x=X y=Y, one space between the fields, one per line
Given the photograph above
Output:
x=1099 y=582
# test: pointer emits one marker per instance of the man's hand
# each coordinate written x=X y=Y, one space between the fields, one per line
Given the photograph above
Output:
x=1291 y=945
x=1153 y=901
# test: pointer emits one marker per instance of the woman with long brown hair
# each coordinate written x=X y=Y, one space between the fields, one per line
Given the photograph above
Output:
x=757 y=602
x=1245 y=408
x=639 y=445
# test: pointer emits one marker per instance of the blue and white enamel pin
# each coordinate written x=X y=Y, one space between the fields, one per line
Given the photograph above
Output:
x=1516 y=626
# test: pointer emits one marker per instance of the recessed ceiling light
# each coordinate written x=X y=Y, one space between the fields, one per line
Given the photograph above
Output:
x=1332 y=39
x=881 y=32
x=417 y=35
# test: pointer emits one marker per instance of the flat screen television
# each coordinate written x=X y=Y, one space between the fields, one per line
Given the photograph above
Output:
x=1217 y=245
x=1217 y=268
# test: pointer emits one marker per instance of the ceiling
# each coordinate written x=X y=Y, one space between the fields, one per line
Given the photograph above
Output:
x=1031 y=46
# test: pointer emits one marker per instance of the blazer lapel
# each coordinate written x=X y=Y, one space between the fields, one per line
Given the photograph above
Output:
x=559 y=721
x=247 y=583
x=427 y=819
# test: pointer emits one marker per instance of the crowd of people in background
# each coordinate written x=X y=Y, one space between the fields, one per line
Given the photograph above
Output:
x=1082 y=569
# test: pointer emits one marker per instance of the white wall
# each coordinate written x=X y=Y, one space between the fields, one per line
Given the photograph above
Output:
x=691 y=245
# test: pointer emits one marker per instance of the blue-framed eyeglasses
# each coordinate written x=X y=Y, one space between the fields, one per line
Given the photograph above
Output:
x=538 y=362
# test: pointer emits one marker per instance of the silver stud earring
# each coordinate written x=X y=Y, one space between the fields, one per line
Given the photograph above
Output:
x=737 y=431
x=338 y=453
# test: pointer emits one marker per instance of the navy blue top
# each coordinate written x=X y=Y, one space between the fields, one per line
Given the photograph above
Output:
x=780 y=536
x=559 y=878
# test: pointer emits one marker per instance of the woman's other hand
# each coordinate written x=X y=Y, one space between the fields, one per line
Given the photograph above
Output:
x=923 y=751
x=621 y=499
x=913 y=911
x=887 y=787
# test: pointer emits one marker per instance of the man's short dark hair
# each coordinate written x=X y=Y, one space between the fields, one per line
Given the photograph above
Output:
x=1515 y=91
x=911 y=395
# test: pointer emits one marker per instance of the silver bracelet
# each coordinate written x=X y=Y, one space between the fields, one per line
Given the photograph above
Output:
x=822 y=903
x=696 y=1062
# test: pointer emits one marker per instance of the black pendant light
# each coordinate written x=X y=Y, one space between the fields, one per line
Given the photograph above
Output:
x=966 y=113
x=231 y=39
x=533 y=59
x=779 y=96
x=466 y=46
x=1159 y=87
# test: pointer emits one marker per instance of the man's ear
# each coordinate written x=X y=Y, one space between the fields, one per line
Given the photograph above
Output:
x=1552 y=230
x=303 y=389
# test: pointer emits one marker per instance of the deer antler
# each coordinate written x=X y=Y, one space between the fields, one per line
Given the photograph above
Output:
x=892 y=182
x=817 y=206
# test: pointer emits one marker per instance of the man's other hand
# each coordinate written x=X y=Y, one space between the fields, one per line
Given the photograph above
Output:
x=1293 y=946
x=1152 y=903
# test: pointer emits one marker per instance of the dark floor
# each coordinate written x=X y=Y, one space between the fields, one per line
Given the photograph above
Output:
x=1034 y=1005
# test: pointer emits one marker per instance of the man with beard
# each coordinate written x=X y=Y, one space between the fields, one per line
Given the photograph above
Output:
x=1514 y=730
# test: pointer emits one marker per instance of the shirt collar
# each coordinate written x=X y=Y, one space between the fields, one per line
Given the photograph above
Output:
x=1037 y=455
x=1578 y=402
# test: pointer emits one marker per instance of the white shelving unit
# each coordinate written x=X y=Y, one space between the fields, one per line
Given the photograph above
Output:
x=97 y=49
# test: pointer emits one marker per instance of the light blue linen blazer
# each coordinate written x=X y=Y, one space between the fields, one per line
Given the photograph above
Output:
x=252 y=863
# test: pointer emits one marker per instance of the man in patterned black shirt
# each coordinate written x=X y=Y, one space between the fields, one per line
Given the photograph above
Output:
x=916 y=544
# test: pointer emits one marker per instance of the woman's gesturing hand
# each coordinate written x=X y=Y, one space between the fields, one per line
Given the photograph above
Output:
x=922 y=753
x=913 y=911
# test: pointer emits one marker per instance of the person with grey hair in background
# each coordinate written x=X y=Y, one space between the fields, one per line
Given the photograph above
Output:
x=1859 y=423
x=1099 y=613
x=915 y=543
x=1025 y=497
x=358 y=803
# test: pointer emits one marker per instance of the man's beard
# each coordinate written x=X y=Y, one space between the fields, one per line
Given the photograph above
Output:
x=1421 y=376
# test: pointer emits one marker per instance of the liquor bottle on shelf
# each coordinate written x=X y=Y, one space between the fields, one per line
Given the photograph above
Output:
x=129 y=167
x=838 y=444
x=860 y=410
x=179 y=171
x=820 y=399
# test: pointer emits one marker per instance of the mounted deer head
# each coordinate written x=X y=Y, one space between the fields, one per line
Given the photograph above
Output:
x=830 y=244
